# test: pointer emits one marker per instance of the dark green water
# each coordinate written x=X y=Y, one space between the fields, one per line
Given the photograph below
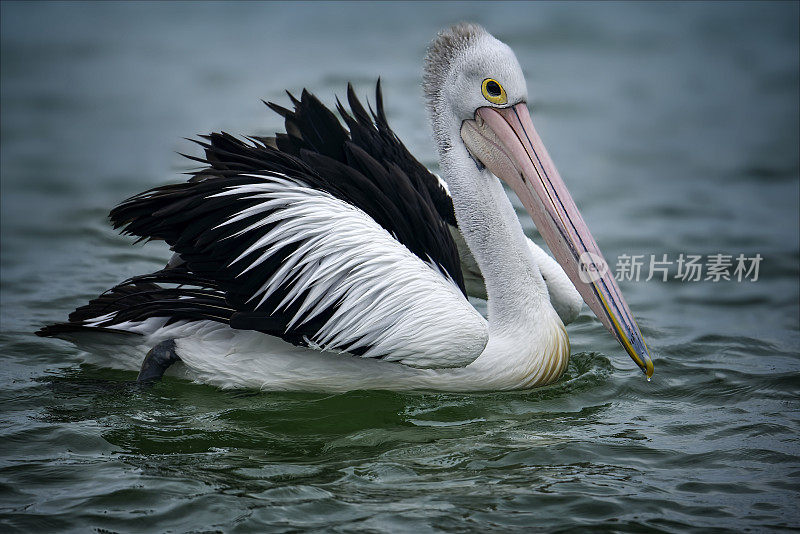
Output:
x=676 y=128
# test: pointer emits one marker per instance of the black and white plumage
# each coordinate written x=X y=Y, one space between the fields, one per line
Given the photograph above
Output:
x=313 y=240
x=329 y=258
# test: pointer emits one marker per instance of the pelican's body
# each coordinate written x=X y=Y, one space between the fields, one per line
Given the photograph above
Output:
x=330 y=259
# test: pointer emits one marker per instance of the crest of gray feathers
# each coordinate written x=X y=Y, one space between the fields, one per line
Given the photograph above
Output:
x=441 y=52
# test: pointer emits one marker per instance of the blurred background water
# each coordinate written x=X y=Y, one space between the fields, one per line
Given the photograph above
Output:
x=675 y=126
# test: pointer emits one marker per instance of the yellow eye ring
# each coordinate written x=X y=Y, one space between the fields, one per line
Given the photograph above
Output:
x=493 y=91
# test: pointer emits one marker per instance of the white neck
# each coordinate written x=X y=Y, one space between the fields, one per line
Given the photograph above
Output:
x=491 y=229
x=526 y=336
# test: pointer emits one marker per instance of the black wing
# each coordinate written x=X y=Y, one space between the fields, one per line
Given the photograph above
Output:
x=310 y=125
x=365 y=166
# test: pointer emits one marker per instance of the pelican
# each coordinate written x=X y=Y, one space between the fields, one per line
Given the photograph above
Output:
x=327 y=258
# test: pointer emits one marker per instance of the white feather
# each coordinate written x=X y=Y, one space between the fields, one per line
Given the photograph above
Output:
x=385 y=297
x=212 y=353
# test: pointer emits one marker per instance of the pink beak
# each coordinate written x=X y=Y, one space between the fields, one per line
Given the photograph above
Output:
x=505 y=141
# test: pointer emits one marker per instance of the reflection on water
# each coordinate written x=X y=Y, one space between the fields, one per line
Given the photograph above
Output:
x=676 y=128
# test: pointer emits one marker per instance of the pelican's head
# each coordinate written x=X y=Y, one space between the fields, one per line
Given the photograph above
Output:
x=466 y=68
x=477 y=95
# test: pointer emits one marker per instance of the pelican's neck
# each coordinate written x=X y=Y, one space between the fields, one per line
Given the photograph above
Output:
x=515 y=288
x=527 y=343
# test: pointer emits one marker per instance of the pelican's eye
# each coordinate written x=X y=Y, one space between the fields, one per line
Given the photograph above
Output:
x=493 y=91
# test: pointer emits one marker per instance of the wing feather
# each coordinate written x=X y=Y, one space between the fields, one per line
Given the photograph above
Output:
x=332 y=276
x=329 y=236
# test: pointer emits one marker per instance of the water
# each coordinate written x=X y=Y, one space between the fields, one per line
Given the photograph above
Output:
x=676 y=128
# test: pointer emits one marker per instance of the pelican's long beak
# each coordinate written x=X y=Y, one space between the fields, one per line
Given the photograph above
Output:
x=504 y=140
